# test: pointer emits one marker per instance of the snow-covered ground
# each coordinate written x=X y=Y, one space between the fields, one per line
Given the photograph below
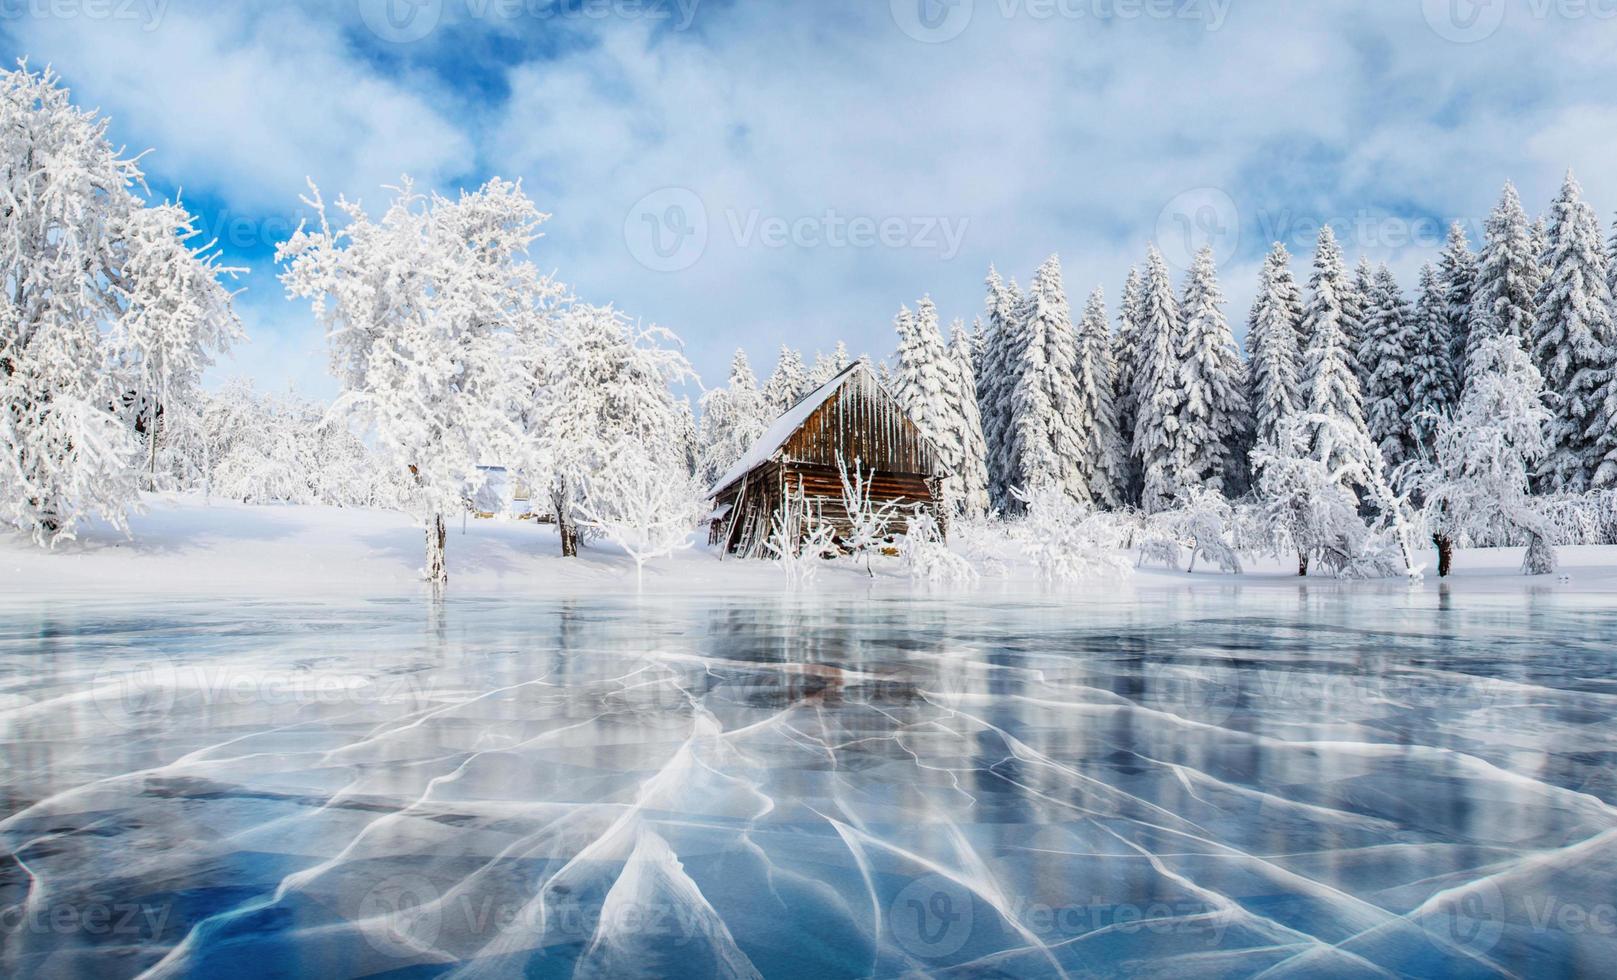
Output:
x=187 y=544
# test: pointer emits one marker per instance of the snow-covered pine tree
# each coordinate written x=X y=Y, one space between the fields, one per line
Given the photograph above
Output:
x=1611 y=260
x=733 y=417
x=1213 y=419
x=1101 y=457
x=788 y=383
x=424 y=359
x=1356 y=299
x=1457 y=278
x=1329 y=384
x=994 y=385
x=926 y=385
x=1274 y=349
x=1126 y=358
x=1574 y=342
x=1503 y=297
x=1433 y=387
x=80 y=253
x=1157 y=394
x=1385 y=350
x=1044 y=442
x=828 y=366
x=974 y=461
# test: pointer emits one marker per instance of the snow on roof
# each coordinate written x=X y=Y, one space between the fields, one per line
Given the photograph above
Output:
x=776 y=435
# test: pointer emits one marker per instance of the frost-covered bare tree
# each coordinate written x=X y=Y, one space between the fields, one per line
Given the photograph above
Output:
x=176 y=317
x=102 y=297
x=600 y=384
x=642 y=501
x=1478 y=490
x=421 y=307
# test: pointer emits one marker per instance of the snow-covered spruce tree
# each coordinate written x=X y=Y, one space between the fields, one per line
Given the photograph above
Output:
x=733 y=417
x=1574 y=342
x=1356 y=298
x=177 y=316
x=927 y=385
x=420 y=309
x=1330 y=387
x=85 y=261
x=1503 y=296
x=1274 y=350
x=602 y=384
x=1126 y=359
x=1457 y=278
x=788 y=383
x=974 y=461
x=1044 y=438
x=828 y=366
x=1478 y=491
x=1384 y=350
x=1101 y=456
x=1213 y=419
x=994 y=386
x=1433 y=387
x=1158 y=398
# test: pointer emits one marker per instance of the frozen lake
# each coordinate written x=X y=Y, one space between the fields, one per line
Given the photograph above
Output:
x=1176 y=783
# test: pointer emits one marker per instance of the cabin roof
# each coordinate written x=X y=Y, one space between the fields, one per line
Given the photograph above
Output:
x=776 y=435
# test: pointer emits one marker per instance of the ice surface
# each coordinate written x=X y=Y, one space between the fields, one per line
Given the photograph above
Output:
x=1185 y=783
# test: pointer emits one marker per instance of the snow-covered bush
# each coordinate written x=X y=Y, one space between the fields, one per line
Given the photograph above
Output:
x=1067 y=541
x=647 y=506
x=927 y=556
x=262 y=449
x=798 y=539
x=869 y=526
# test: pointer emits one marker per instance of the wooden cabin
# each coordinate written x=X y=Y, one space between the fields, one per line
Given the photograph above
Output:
x=851 y=417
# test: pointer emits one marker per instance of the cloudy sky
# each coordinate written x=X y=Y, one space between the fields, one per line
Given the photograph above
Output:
x=752 y=174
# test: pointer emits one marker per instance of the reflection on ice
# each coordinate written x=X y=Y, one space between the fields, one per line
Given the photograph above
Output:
x=1184 y=784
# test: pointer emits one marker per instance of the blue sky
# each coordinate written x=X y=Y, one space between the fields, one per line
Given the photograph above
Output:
x=751 y=174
